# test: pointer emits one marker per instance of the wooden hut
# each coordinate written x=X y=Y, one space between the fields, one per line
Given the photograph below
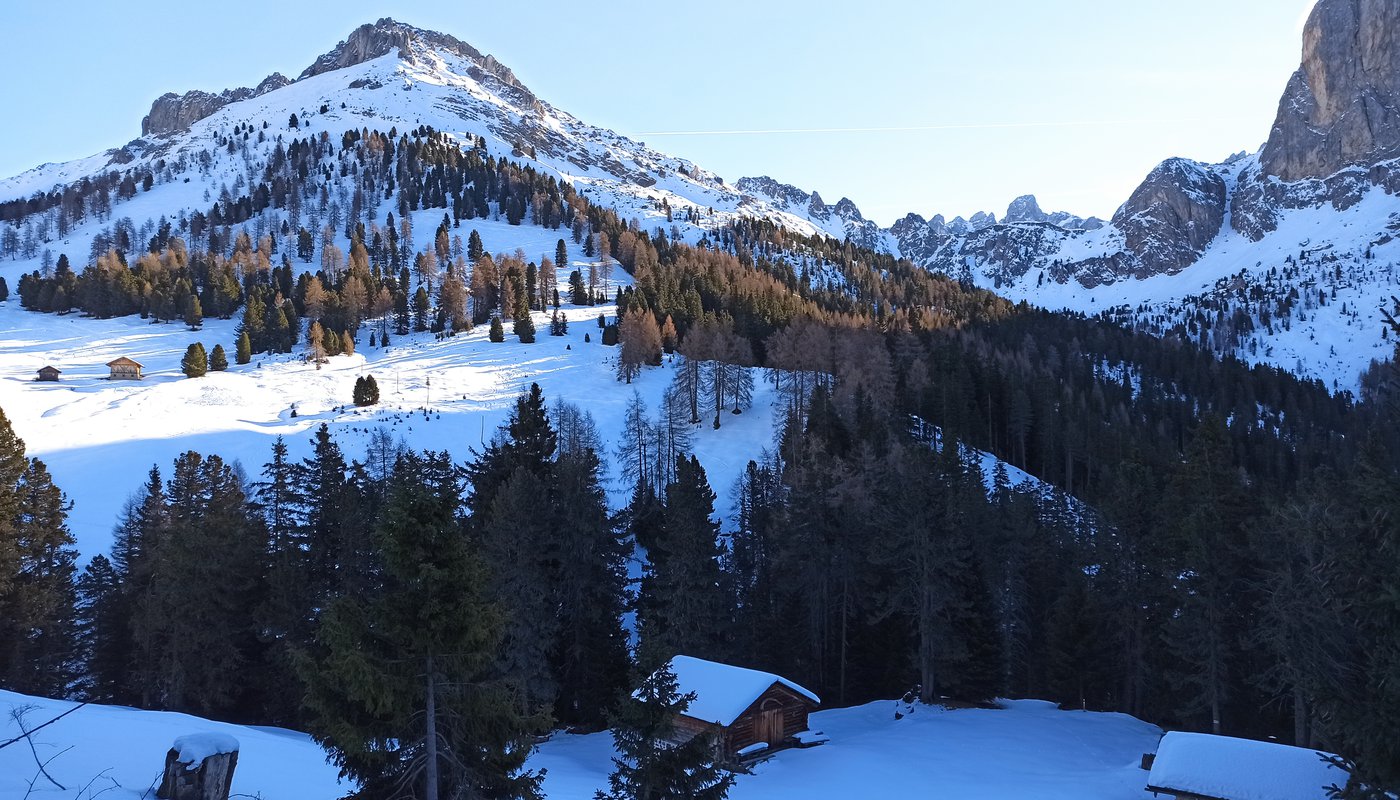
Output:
x=48 y=373
x=1199 y=766
x=744 y=709
x=124 y=369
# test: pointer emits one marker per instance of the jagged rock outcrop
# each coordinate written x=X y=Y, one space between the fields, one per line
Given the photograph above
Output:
x=171 y=112
x=369 y=42
x=1342 y=106
x=782 y=195
x=1025 y=209
x=1172 y=216
x=176 y=112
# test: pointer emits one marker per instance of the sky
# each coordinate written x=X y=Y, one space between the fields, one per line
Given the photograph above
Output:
x=903 y=106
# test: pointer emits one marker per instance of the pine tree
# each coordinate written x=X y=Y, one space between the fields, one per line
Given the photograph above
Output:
x=524 y=327
x=683 y=605
x=366 y=391
x=218 y=361
x=194 y=314
x=649 y=766
x=400 y=682
x=38 y=607
x=498 y=331
x=195 y=362
x=590 y=659
x=103 y=632
x=192 y=622
x=243 y=353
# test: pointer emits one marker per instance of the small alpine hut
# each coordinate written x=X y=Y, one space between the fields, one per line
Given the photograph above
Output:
x=748 y=711
x=48 y=373
x=1199 y=766
x=124 y=369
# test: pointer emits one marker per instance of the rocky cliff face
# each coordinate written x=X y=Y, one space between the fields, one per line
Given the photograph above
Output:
x=176 y=112
x=1342 y=106
x=1172 y=217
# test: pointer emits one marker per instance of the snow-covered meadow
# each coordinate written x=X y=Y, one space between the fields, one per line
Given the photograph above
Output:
x=1026 y=749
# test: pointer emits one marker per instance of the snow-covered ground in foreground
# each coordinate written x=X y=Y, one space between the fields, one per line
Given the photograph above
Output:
x=1028 y=749
x=97 y=745
x=100 y=437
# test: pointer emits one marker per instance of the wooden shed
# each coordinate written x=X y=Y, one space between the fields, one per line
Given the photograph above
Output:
x=124 y=369
x=48 y=373
x=744 y=709
x=1200 y=766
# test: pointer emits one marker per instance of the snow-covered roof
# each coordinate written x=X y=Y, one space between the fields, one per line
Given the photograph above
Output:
x=723 y=691
x=1240 y=769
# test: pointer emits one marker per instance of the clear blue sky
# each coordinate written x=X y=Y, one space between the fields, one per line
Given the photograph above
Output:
x=1073 y=101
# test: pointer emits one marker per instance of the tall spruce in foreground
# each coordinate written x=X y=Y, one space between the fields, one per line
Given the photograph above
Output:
x=193 y=625
x=400 y=683
x=37 y=555
x=649 y=766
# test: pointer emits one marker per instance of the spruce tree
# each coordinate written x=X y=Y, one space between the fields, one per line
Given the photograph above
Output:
x=683 y=605
x=497 y=332
x=648 y=765
x=218 y=361
x=401 y=685
x=194 y=314
x=193 y=623
x=524 y=327
x=103 y=632
x=243 y=352
x=195 y=362
x=38 y=610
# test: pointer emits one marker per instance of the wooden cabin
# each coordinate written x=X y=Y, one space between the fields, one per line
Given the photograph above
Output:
x=48 y=373
x=124 y=369
x=742 y=708
x=1199 y=766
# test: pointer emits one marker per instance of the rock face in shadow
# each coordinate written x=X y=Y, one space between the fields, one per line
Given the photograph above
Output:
x=1172 y=217
x=1342 y=106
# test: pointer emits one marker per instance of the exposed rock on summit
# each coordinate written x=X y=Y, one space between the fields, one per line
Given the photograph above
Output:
x=1342 y=106
x=175 y=112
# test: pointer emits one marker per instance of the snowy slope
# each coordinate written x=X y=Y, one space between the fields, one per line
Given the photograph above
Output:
x=99 y=437
x=420 y=85
x=118 y=753
x=1026 y=749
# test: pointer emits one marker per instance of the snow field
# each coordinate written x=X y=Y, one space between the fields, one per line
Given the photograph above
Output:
x=1027 y=749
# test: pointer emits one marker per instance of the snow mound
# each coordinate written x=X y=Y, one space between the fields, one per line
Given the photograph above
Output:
x=195 y=747
x=1241 y=769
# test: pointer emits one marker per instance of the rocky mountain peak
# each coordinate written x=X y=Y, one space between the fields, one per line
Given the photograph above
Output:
x=1025 y=209
x=370 y=41
x=176 y=112
x=1342 y=106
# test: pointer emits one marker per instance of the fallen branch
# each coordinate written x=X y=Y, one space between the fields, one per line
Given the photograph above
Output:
x=25 y=734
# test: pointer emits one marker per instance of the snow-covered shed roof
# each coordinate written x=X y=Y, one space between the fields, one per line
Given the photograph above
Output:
x=723 y=691
x=1227 y=768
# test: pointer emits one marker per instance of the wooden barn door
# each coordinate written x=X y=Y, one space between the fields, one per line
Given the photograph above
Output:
x=770 y=722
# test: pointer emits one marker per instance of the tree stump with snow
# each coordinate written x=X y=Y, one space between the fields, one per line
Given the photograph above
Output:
x=199 y=767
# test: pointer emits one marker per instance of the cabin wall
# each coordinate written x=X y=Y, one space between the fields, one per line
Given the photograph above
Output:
x=745 y=730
